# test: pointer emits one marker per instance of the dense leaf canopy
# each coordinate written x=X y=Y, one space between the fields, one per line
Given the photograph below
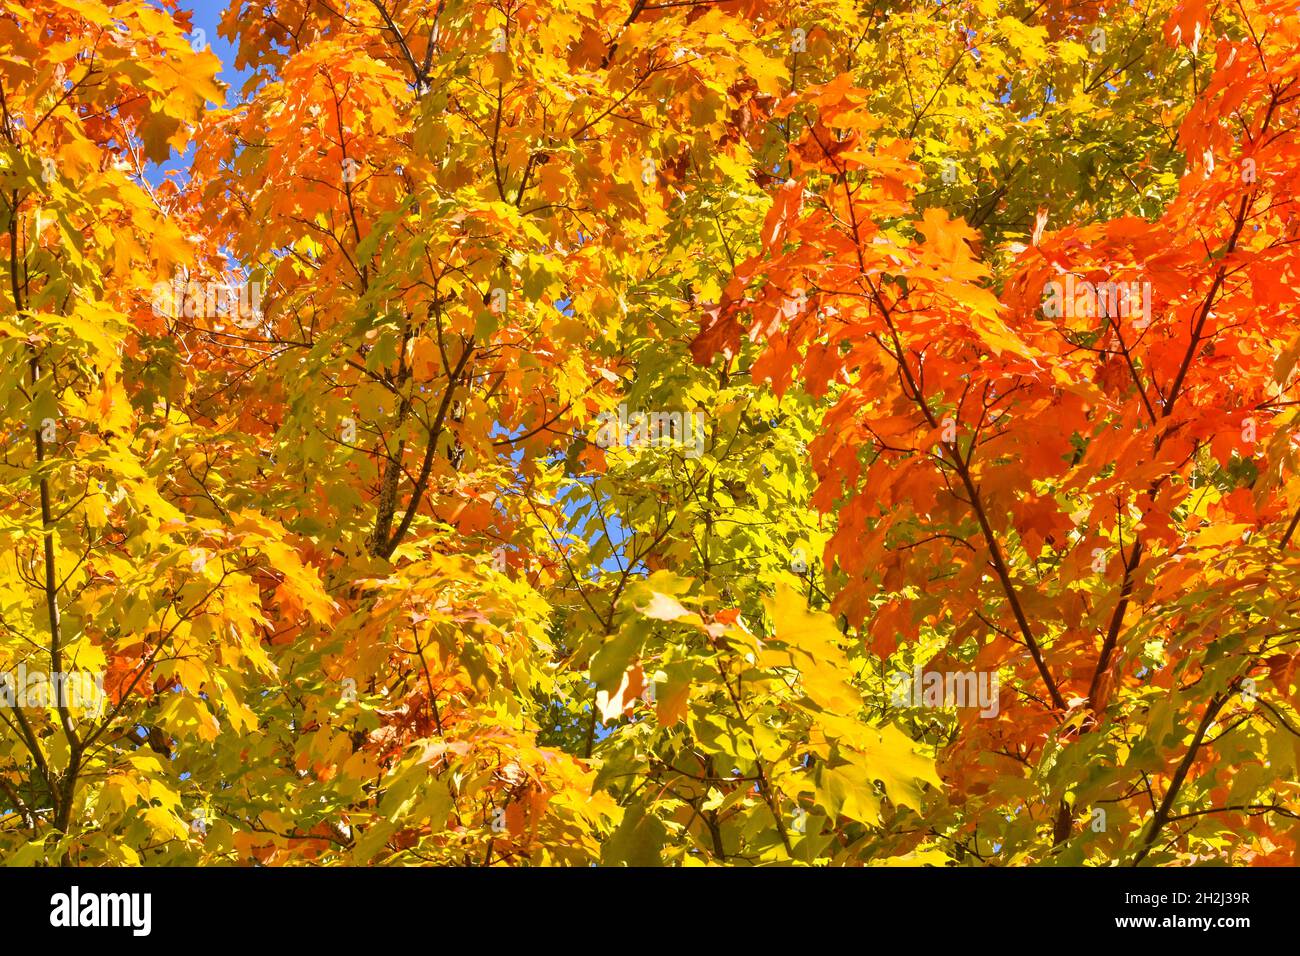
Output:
x=535 y=433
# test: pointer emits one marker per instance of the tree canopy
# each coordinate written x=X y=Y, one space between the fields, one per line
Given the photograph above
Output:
x=556 y=433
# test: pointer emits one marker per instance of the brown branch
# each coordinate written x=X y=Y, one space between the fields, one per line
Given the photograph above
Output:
x=1163 y=813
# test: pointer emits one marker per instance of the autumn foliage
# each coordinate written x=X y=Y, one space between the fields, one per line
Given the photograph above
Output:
x=326 y=448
